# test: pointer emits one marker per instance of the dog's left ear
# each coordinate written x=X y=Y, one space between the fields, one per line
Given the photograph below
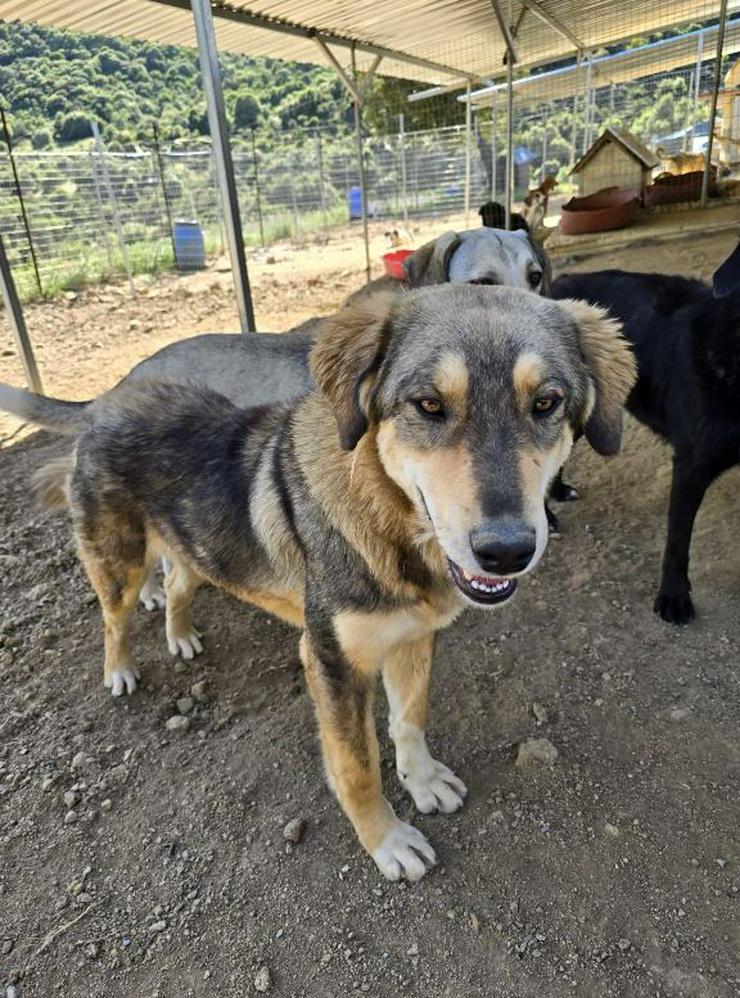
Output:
x=545 y=288
x=431 y=263
x=347 y=354
x=611 y=365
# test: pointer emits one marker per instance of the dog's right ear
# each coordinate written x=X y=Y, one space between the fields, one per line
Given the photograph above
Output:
x=347 y=354
x=431 y=263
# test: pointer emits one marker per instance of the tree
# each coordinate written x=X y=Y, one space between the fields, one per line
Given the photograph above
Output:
x=72 y=127
x=247 y=111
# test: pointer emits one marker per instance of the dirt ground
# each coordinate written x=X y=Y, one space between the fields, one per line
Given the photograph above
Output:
x=145 y=863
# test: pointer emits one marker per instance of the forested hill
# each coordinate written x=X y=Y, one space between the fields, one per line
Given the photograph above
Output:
x=53 y=82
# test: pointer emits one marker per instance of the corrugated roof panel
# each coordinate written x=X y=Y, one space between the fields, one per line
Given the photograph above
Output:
x=460 y=35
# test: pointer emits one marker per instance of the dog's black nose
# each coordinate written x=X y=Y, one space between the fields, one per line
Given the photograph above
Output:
x=503 y=548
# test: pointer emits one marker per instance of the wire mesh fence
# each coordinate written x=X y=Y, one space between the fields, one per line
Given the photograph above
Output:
x=93 y=213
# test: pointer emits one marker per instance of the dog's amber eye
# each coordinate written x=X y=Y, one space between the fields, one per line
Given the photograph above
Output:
x=432 y=407
x=545 y=404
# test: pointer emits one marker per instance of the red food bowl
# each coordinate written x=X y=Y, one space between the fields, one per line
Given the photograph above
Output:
x=393 y=263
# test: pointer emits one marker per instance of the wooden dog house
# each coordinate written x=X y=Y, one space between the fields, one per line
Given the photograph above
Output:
x=616 y=159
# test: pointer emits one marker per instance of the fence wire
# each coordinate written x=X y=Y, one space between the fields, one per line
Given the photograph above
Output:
x=82 y=206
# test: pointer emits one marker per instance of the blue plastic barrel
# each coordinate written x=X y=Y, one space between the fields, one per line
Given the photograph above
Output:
x=354 y=197
x=190 y=246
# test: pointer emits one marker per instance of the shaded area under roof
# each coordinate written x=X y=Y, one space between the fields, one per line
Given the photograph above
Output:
x=646 y=60
x=447 y=40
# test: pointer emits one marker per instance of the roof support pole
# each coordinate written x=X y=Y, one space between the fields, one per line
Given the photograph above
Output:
x=713 y=108
x=509 y=140
x=468 y=134
x=208 y=56
x=697 y=88
x=18 y=324
x=361 y=166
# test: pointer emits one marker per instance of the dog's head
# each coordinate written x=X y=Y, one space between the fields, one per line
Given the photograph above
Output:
x=481 y=256
x=473 y=397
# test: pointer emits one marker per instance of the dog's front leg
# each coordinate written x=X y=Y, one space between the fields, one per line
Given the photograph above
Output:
x=343 y=698
x=430 y=783
x=688 y=487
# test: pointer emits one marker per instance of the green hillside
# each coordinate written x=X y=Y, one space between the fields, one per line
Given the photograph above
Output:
x=53 y=82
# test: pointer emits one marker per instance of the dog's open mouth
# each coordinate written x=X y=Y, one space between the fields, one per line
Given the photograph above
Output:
x=484 y=589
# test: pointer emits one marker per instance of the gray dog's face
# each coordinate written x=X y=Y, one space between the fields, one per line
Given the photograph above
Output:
x=474 y=396
x=497 y=257
x=481 y=256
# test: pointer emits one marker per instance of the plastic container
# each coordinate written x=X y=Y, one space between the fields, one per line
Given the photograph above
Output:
x=354 y=201
x=674 y=189
x=393 y=263
x=190 y=246
x=600 y=212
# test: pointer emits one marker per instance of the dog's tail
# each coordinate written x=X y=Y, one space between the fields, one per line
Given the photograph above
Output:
x=50 y=484
x=69 y=418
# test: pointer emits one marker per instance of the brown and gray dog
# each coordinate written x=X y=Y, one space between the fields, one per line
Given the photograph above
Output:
x=408 y=484
x=262 y=369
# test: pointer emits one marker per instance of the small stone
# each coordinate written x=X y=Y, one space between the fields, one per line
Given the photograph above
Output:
x=71 y=797
x=84 y=897
x=263 y=980
x=680 y=714
x=91 y=951
x=293 y=831
x=185 y=704
x=540 y=713
x=198 y=691
x=611 y=830
x=178 y=723
x=721 y=863
x=7 y=947
x=158 y=926
x=80 y=761
x=47 y=783
x=537 y=751
x=413 y=950
x=474 y=922
x=624 y=944
x=106 y=805
x=70 y=817
x=180 y=666
x=11 y=992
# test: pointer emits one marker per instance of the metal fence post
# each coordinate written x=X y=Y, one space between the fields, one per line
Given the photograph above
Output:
x=510 y=180
x=713 y=108
x=361 y=166
x=293 y=199
x=402 y=139
x=101 y=211
x=494 y=145
x=113 y=206
x=257 y=188
x=19 y=194
x=468 y=128
x=165 y=195
x=322 y=191
x=18 y=324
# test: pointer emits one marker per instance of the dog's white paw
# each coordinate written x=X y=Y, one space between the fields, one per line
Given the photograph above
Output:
x=152 y=596
x=404 y=852
x=433 y=786
x=122 y=681
x=187 y=646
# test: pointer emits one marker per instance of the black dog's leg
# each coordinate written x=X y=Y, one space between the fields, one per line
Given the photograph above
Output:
x=673 y=602
x=560 y=491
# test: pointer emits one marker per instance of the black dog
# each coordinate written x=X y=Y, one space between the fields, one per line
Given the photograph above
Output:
x=687 y=346
x=493 y=216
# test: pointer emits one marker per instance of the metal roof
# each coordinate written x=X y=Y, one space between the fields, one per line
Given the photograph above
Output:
x=433 y=41
x=662 y=56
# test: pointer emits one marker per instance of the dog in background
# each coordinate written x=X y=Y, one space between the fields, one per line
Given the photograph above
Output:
x=687 y=346
x=536 y=202
x=493 y=216
x=677 y=164
x=408 y=484
x=399 y=238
